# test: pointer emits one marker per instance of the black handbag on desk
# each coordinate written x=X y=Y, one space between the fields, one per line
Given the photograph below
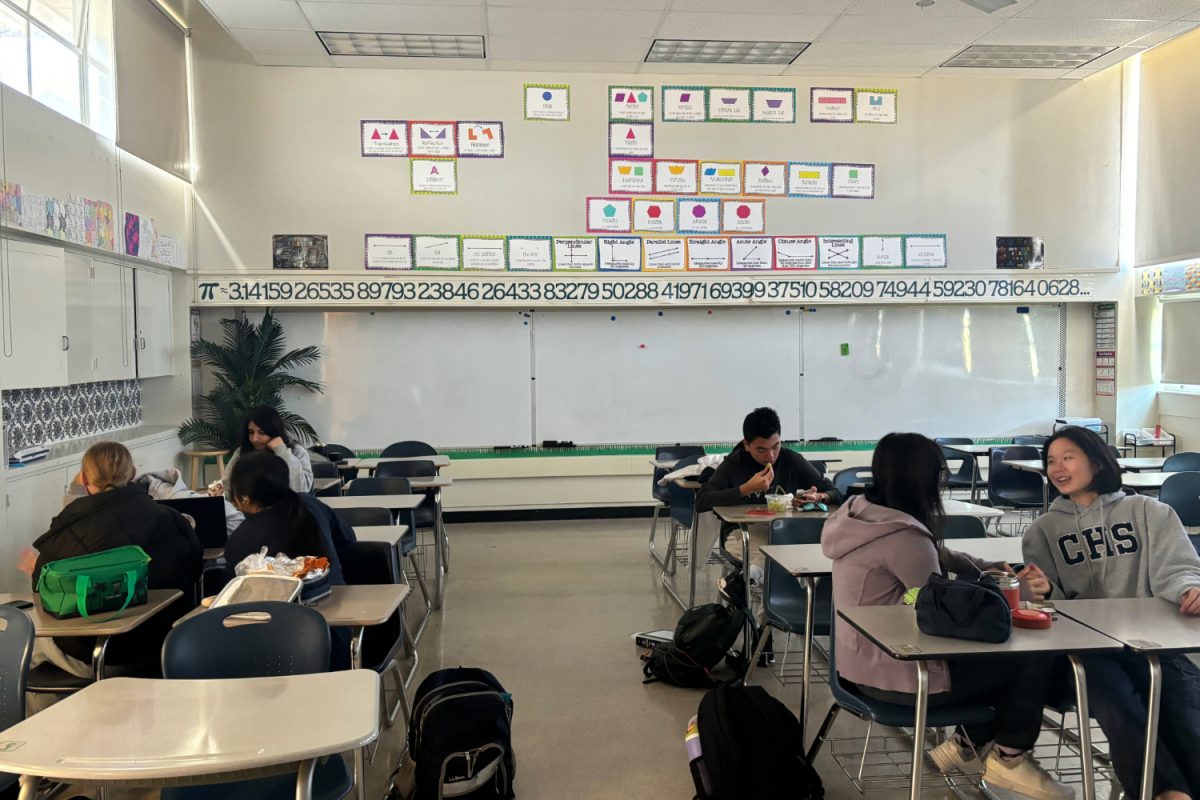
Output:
x=964 y=608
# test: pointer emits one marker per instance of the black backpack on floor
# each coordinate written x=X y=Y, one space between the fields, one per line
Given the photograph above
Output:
x=751 y=746
x=460 y=736
x=703 y=637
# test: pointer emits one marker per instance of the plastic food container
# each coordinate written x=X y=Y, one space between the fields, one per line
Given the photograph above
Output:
x=779 y=502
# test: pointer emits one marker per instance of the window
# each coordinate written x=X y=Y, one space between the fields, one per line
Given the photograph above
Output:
x=60 y=53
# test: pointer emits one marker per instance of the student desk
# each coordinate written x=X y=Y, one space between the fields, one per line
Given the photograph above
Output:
x=371 y=464
x=1148 y=463
x=894 y=630
x=807 y=563
x=1034 y=466
x=235 y=729
x=388 y=534
x=669 y=463
x=102 y=626
x=744 y=516
x=324 y=484
x=394 y=503
x=1141 y=481
x=958 y=508
x=359 y=607
x=1148 y=626
x=427 y=482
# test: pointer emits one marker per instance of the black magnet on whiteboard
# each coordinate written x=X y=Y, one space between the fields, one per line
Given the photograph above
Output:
x=660 y=313
x=1022 y=309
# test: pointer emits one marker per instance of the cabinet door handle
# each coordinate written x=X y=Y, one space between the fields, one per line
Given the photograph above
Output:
x=142 y=343
x=66 y=342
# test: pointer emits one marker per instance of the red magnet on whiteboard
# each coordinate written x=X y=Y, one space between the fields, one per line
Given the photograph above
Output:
x=641 y=347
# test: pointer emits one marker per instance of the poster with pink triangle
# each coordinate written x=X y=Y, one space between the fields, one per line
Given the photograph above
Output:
x=634 y=139
x=631 y=103
x=383 y=138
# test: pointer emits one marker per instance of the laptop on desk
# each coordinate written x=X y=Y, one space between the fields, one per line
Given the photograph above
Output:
x=209 y=513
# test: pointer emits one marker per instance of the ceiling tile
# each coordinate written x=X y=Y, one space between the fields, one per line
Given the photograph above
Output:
x=264 y=42
x=1081 y=73
x=1166 y=33
x=566 y=49
x=274 y=14
x=906 y=56
x=995 y=72
x=391 y=62
x=551 y=67
x=1111 y=9
x=378 y=18
x=582 y=24
x=609 y=5
x=802 y=70
x=710 y=70
x=941 y=8
x=743 y=27
x=1115 y=57
x=1022 y=30
x=789 y=7
x=909 y=29
x=293 y=61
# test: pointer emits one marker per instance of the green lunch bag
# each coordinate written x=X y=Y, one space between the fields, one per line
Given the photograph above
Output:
x=111 y=580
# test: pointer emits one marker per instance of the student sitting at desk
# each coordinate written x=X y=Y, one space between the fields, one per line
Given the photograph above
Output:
x=112 y=511
x=759 y=465
x=263 y=429
x=1096 y=542
x=278 y=518
x=885 y=543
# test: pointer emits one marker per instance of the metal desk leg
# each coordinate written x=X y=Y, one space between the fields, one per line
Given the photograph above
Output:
x=1045 y=494
x=751 y=626
x=439 y=591
x=919 y=714
x=29 y=787
x=360 y=753
x=99 y=650
x=304 y=779
x=693 y=558
x=1085 y=729
x=1155 y=694
x=810 y=591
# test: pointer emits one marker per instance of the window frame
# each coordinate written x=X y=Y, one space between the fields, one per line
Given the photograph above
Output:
x=81 y=51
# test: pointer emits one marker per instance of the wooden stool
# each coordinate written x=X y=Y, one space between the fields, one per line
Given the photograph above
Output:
x=198 y=457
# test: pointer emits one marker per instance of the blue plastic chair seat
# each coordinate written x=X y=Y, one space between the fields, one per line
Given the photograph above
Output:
x=331 y=781
x=895 y=715
x=786 y=611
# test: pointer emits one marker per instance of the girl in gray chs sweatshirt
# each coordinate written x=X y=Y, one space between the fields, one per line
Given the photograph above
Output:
x=1096 y=542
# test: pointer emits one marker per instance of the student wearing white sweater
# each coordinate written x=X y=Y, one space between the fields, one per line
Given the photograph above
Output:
x=263 y=429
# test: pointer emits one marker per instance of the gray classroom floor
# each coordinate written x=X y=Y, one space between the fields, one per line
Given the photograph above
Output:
x=549 y=607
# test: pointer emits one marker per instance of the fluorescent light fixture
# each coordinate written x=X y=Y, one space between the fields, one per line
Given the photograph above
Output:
x=990 y=6
x=411 y=45
x=701 y=51
x=1020 y=56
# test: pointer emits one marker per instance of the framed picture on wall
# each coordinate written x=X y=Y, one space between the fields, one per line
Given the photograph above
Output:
x=300 y=251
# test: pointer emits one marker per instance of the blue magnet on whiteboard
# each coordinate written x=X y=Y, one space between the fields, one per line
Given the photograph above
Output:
x=788 y=312
x=613 y=318
x=1022 y=309
x=660 y=313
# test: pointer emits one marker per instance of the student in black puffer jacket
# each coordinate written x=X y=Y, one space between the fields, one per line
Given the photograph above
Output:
x=112 y=511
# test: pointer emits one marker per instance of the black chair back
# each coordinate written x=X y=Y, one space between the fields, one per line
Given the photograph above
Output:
x=405 y=469
x=1181 y=492
x=337 y=452
x=843 y=479
x=408 y=448
x=668 y=453
x=361 y=487
x=277 y=639
x=1030 y=441
x=961 y=526
x=1009 y=486
x=356 y=517
x=1182 y=462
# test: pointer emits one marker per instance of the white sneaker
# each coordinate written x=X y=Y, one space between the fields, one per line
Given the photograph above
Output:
x=756 y=575
x=951 y=757
x=1023 y=775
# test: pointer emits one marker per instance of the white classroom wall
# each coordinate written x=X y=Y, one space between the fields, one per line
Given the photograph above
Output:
x=278 y=152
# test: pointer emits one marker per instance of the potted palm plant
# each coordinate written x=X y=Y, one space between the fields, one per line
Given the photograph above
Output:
x=250 y=367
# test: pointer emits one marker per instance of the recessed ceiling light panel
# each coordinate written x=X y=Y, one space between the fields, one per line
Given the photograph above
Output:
x=1020 y=56
x=410 y=45
x=702 y=51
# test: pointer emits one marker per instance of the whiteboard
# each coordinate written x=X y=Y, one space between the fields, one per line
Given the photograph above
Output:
x=675 y=375
x=453 y=379
x=937 y=370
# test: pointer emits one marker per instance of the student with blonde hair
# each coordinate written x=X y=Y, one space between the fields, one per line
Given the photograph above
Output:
x=110 y=510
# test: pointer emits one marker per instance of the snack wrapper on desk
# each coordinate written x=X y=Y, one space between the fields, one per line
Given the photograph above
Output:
x=313 y=571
